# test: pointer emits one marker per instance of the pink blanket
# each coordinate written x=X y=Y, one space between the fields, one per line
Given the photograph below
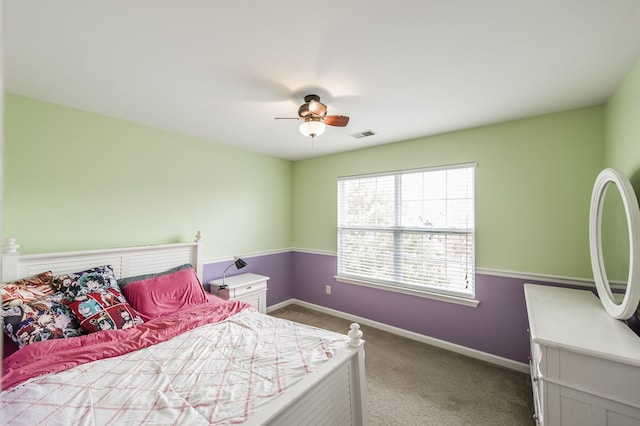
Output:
x=56 y=355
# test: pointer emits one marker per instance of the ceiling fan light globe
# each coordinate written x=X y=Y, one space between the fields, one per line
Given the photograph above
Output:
x=312 y=128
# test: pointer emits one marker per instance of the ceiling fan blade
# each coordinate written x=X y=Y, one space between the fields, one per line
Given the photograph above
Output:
x=286 y=118
x=336 y=120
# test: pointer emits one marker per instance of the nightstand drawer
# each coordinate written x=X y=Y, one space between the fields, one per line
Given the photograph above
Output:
x=237 y=292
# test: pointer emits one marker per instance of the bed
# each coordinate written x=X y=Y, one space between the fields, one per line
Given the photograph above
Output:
x=147 y=345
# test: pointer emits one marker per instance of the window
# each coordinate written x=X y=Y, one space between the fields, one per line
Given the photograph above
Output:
x=411 y=229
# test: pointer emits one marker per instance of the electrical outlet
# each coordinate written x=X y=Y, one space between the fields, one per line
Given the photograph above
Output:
x=328 y=289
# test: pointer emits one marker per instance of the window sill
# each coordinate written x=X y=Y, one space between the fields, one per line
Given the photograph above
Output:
x=426 y=294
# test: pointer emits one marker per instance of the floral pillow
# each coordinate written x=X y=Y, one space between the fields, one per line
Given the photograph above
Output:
x=81 y=283
x=27 y=289
x=103 y=310
x=46 y=318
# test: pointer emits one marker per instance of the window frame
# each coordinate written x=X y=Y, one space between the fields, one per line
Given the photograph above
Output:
x=439 y=293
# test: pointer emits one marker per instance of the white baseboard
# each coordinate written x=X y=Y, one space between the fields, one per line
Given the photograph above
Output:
x=473 y=353
x=282 y=305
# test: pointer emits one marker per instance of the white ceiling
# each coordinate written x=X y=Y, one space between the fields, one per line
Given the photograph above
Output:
x=222 y=71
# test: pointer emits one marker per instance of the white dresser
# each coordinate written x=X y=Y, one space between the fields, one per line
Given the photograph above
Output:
x=250 y=288
x=585 y=364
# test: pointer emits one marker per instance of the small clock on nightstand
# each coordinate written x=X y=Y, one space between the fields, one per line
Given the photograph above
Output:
x=250 y=288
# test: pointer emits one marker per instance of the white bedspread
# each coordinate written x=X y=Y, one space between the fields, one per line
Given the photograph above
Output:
x=214 y=374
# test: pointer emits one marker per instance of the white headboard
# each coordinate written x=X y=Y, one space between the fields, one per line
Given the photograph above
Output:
x=126 y=262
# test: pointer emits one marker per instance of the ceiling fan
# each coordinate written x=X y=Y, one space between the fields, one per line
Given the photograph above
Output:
x=313 y=115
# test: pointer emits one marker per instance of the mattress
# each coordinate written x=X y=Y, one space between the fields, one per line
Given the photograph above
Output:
x=214 y=373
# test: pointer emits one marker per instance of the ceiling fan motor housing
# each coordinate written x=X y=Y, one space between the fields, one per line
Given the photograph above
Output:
x=310 y=98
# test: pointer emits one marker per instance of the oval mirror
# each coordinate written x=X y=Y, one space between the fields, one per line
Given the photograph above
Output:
x=620 y=202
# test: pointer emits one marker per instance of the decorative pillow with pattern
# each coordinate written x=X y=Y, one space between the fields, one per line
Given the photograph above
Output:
x=27 y=289
x=87 y=281
x=103 y=310
x=46 y=318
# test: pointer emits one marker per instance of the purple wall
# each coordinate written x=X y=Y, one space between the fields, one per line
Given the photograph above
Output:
x=498 y=325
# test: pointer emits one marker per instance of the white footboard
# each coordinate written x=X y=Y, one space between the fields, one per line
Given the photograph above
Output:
x=336 y=394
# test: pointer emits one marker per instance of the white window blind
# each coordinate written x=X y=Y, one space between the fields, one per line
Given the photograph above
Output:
x=412 y=229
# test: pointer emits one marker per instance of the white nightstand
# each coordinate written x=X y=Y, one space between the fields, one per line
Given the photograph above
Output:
x=250 y=288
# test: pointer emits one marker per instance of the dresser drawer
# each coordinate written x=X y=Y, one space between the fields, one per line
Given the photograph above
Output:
x=536 y=386
x=536 y=383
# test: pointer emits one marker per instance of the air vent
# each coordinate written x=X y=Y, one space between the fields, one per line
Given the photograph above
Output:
x=362 y=134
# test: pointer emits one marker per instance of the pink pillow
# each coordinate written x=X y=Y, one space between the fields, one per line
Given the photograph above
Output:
x=166 y=294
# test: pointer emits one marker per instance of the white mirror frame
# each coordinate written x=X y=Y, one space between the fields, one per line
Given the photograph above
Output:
x=629 y=304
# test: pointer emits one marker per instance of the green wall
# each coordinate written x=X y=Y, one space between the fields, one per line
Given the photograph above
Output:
x=70 y=175
x=533 y=188
x=76 y=180
x=622 y=130
x=621 y=151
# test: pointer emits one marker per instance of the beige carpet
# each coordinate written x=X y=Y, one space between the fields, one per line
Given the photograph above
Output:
x=412 y=383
